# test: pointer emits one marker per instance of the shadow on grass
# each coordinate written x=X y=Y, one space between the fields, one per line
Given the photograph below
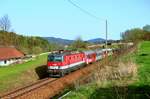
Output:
x=42 y=71
x=130 y=92
x=144 y=54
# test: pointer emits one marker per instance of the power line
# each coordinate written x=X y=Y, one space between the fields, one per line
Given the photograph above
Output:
x=88 y=13
x=83 y=10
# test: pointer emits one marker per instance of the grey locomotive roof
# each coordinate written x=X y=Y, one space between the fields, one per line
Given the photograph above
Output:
x=99 y=51
x=63 y=53
x=89 y=52
x=108 y=49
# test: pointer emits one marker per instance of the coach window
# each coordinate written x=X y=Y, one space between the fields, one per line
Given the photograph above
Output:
x=89 y=56
x=101 y=53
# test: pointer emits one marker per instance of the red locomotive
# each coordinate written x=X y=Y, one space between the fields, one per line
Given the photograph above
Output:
x=63 y=62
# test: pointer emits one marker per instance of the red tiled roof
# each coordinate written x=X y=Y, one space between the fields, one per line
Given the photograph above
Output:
x=9 y=52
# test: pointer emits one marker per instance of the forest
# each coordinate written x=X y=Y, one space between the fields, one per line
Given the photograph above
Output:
x=26 y=44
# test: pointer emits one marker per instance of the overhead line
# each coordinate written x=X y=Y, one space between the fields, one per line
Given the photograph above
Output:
x=90 y=14
x=83 y=10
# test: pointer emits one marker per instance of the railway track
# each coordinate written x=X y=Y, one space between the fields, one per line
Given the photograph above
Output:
x=49 y=87
x=27 y=89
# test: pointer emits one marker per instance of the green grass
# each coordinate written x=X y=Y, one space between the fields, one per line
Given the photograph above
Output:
x=82 y=93
x=143 y=61
x=139 y=89
x=19 y=74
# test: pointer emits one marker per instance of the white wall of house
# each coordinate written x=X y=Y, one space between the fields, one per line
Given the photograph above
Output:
x=6 y=62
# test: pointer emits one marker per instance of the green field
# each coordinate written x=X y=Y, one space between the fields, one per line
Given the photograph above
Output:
x=125 y=89
x=15 y=76
x=143 y=60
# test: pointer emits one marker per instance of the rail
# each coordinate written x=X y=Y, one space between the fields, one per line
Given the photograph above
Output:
x=27 y=89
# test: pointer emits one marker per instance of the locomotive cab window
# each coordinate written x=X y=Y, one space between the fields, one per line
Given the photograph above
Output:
x=54 y=58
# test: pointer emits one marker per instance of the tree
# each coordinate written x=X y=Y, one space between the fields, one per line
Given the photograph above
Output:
x=135 y=34
x=78 y=44
x=5 y=23
x=146 y=28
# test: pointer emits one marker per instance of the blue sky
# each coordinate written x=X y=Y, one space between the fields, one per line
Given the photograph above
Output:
x=58 y=18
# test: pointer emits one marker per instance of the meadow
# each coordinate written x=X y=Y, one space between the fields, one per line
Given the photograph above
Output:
x=18 y=75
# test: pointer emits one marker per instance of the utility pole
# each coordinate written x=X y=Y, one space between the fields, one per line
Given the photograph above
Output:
x=106 y=44
x=106 y=35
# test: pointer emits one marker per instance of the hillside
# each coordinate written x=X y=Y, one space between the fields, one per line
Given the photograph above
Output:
x=28 y=45
x=68 y=42
x=58 y=40
x=96 y=40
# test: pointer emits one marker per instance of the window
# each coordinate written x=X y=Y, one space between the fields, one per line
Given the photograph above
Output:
x=5 y=61
x=55 y=58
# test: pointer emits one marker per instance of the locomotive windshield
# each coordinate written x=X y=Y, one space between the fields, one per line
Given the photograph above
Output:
x=54 y=58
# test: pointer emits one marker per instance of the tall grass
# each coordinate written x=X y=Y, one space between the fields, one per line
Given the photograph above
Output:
x=118 y=79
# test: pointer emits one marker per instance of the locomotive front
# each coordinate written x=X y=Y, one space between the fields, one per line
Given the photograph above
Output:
x=55 y=63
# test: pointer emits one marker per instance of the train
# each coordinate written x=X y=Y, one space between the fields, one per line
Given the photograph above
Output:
x=63 y=62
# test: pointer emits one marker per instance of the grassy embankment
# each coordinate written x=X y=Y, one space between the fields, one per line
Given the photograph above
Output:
x=130 y=87
x=18 y=75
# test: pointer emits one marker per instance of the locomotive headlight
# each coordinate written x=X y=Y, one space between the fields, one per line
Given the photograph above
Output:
x=53 y=67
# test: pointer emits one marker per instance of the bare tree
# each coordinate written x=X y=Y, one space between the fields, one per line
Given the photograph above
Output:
x=5 y=23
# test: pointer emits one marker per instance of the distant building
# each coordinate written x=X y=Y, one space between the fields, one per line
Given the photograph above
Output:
x=9 y=55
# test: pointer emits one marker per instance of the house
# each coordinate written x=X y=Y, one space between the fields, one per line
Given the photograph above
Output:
x=9 y=55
